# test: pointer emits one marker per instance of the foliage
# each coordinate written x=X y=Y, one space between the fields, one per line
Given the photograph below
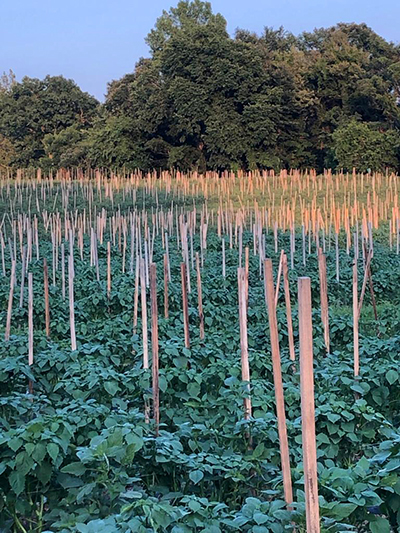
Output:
x=357 y=145
x=78 y=455
x=33 y=108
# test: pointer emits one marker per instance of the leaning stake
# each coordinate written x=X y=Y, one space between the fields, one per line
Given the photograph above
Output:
x=279 y=398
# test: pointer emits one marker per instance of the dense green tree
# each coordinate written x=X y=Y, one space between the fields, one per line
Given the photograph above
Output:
x=7 y=152
x=358 y=145
x=220 y=109
x=34 y=108
x=68 y=148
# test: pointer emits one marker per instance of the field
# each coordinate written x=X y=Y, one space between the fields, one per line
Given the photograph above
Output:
x=156 y=358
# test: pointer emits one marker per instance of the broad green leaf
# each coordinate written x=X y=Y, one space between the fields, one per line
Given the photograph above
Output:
x=53 y=450
x=392 y=376
x=17 y=482
x=380 y=525
x=196 y=476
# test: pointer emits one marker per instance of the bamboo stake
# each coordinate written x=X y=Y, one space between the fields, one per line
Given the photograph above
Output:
x=307 y=407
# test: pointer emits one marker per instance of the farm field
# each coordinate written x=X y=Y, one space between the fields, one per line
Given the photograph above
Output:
x=141 y=372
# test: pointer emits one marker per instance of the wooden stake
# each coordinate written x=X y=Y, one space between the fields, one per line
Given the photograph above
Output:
x=243 y=340
x=307 y=407
x=200 y=297
x=323 y=286
x=71 y=301
x=63 y=271
x=154 y=345
x=365 y=280
x=185 y=305
x=278 y=279
x=30 y=325
x=166 y=286
x=46 y=297
x=279 y=397
x=23 y=268
x=136 y=295
x=10 y=301
x=144 y=314
x=108 y=269
x=356 y=309
x=288 y=306
x=223 y=258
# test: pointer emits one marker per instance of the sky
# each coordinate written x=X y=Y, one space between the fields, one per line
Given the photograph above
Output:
x=96 y=41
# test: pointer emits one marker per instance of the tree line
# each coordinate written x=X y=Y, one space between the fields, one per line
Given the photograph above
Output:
x=206 y=100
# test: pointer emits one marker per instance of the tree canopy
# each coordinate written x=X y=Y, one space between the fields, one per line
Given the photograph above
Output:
x=207 y=100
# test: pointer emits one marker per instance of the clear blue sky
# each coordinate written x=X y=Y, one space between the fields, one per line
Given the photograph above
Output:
x=95 y=41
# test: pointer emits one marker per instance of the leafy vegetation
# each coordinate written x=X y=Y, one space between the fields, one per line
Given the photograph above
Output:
x=78 y=456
